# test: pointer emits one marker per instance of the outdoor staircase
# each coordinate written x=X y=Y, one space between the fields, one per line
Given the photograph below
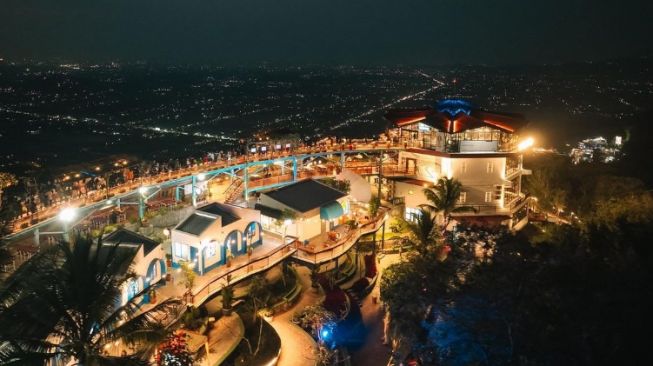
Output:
x=234 y=191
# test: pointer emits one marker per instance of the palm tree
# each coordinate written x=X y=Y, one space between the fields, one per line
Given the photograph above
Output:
x=259 y=293
x=422 y=230
x=444 y=196
x=62 y=307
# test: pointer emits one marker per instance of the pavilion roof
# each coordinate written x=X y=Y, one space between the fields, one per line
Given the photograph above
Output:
x=454 y=116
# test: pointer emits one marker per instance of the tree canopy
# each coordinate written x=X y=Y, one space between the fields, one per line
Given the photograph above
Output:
x=65 y=304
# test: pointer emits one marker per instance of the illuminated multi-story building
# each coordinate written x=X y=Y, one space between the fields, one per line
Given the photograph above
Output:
x=456 y=139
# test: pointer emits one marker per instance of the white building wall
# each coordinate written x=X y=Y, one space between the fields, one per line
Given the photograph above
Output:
x=428 y=167
x=310 y=226
x=180 y=237
x=140 y=266
x=413 y=194
x=307 y=225
x=478 y=176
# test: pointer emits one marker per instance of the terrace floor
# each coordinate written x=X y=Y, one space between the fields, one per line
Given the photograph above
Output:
x=264 y=256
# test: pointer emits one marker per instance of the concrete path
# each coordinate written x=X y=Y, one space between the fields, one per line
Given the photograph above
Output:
x=297 y=347
x=374 y=352
x=224 y=337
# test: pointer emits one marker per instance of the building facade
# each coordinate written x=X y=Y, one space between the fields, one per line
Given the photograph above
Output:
x=458 y=140
x=315 y=208
x=148 y=263
x=213 y=234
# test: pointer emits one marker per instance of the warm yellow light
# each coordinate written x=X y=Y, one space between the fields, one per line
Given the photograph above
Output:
x=68 y=214
x=525 y=144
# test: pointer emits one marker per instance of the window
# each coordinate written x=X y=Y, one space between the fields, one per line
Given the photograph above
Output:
x=498 y=189
x=488 y=196
x=412 y=214
x=154 y=273
x=490 y=167
x=210 y=250
x=177 y=250
x=132 y=289
x=463 y=197
x=271 y=224
x=181 y=251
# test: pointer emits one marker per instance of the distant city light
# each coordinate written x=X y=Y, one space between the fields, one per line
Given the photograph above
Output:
x=597 y=149
x=201 y=176
x=142 y=190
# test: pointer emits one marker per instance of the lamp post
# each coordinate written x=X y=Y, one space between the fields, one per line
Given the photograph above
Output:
x=142 y=192
x=66 y=216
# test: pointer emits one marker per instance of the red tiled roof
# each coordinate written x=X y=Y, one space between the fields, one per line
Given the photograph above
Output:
x=507 y=122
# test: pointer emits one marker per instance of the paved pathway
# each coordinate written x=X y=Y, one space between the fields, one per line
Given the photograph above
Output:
x=297 y=347
x=374 y=352
x=226 y=334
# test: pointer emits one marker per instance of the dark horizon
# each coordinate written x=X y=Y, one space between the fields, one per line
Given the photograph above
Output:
x=54 y=61
x=253 y=32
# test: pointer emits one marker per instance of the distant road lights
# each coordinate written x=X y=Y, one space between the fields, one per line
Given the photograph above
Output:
x=67 y=215
x=525 y=144
x=201 y=176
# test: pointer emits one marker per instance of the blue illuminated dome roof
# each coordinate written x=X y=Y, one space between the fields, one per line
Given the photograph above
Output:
x=453 y=107
x=455 y=116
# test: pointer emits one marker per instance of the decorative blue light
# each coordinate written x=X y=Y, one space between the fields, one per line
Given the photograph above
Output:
x=326 y=334
x=453 y=107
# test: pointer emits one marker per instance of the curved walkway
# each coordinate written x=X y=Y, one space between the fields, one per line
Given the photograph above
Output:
x=225 y=336
x=297 y=347
x=374 y=352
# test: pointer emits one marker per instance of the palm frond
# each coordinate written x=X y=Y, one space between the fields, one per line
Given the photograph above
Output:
x=145 y=327
x=462 y=209
x=69 y=293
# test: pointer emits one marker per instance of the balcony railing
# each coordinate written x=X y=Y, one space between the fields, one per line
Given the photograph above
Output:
x=481 y=210
x=326 y=254
x=238 y=273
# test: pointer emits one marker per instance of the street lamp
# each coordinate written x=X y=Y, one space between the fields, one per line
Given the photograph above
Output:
x=66 y=216
x=525 y=144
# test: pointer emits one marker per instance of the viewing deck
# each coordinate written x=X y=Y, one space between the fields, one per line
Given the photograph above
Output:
x=263 y=257
x=128 y=193
x=271 y=253
x=321 y=249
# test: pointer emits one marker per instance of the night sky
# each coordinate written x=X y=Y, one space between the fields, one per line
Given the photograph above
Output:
x=326 y=31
